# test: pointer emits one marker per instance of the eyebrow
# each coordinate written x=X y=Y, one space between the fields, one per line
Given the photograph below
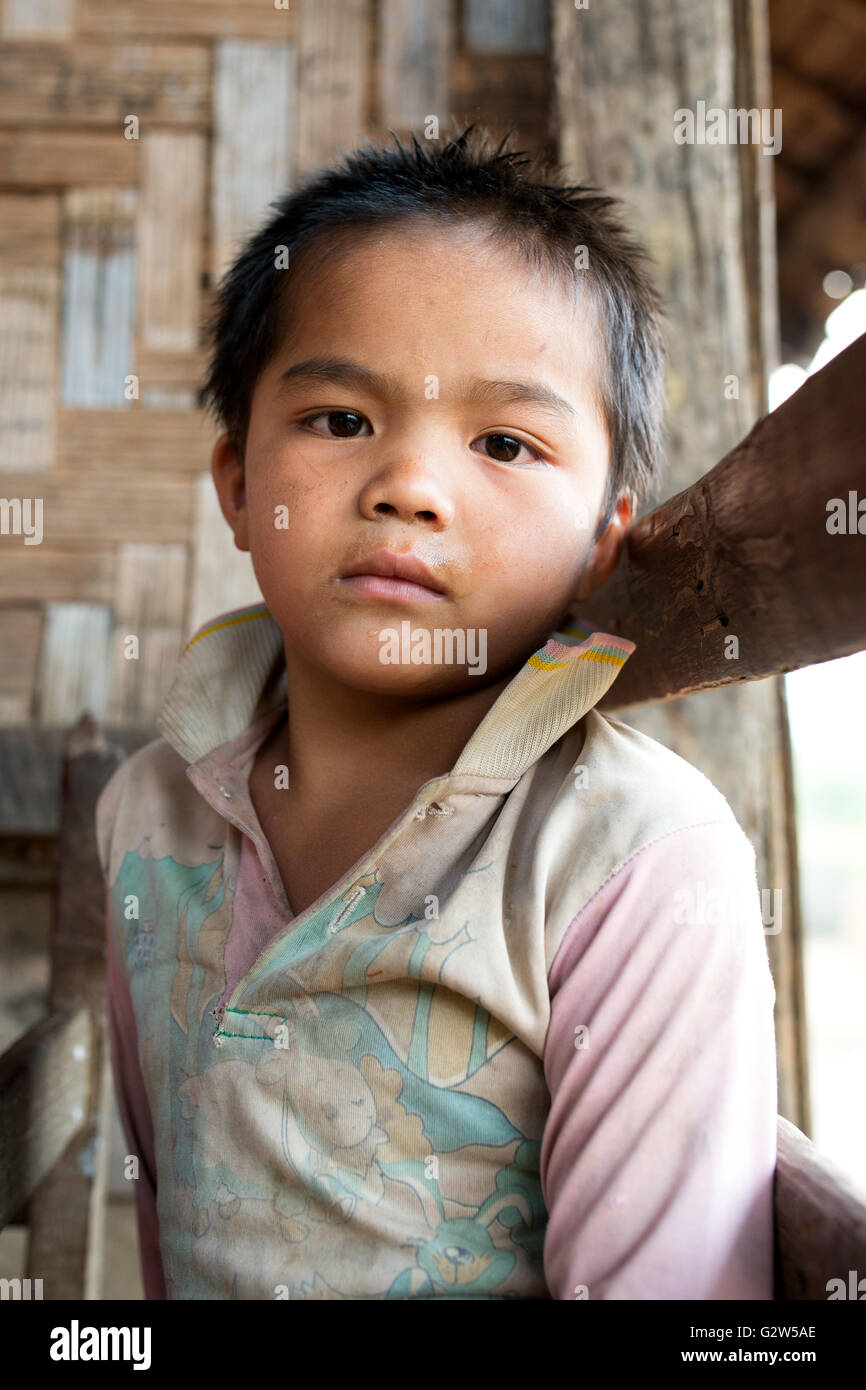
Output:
x=469 y=391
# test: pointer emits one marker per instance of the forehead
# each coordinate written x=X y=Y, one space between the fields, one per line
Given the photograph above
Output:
x=445 y=299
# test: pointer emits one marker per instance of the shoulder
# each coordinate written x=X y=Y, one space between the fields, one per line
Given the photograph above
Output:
x=622 y=798
x=636 y=783
x=147 y=777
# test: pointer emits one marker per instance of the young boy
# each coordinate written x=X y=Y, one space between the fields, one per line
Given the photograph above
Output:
x=414 y=990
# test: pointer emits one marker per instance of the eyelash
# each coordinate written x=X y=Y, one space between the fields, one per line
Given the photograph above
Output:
x=537 y=456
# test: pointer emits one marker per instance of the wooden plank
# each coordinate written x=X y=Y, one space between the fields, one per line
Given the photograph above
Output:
x=505 y=26
x=149 y=605
x=820 y=1220
x=170 y=234
x=253 y=96
x=29 y=231
x=75 y=662
x=30 y=310
x=29 y=781
x=169 y=381
x=20 y=641
x=745 y=553
x=703 y=213
x=44 y=1079
x=98 y=84
x=505 y=91
x=222 y=576
x=107 y=506
x=334 y=40
x=65 y=1211
x=28 y=865
x=47 y=19
x=99 y=304
x=56 y=573
x=66 y=158
x=416 y=41
x=165 y=19
x=148 y=441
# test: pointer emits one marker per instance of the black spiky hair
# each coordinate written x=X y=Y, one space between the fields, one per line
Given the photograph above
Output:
x=523 y=203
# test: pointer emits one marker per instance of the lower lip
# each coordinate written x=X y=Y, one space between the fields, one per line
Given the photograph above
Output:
x=399 y=590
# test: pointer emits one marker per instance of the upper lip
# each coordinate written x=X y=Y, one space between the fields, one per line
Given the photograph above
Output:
x=393 y=566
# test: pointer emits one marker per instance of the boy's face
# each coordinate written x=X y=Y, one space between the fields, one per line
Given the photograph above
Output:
x=498 y=495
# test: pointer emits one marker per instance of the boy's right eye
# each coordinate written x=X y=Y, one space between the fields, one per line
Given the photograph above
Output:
x=339 y=416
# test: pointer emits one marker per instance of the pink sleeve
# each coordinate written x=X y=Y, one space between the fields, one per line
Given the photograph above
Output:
x=135 y=1117
x=659 y=1151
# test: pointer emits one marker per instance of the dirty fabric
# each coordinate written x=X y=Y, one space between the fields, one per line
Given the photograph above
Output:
x=524 y=1048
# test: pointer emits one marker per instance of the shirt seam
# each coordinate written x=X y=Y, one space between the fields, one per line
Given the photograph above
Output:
x=618 y=869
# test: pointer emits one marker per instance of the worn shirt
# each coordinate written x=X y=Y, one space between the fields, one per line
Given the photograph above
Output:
x=655 y=1047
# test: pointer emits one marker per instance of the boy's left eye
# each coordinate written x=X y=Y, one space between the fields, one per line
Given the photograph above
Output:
x=507 y=443
x=510 y=441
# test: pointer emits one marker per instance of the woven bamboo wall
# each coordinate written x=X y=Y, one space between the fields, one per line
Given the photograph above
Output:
x=140 y=141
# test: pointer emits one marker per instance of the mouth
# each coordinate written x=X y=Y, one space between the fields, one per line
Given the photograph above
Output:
x=388 y=575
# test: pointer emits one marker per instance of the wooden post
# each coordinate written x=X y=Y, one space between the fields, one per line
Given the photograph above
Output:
x=705 y=211
x=66 y=1212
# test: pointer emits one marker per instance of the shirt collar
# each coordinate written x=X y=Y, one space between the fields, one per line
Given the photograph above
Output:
x=232 y=677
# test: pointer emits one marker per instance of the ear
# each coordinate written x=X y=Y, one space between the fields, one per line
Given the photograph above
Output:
x=604 y=556
x=227 y=471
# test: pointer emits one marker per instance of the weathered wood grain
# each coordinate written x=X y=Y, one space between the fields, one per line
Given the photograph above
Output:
x=621 y=75
x=505 y=26
x=416 y=42
x=99 y=302
x=44 y=1083
x=170 y=240
x=67 y=158
x=334 y=39
x=166 y=19
x=149 y=604
x=144 y=441
x=99 y=84
x=820 y=1219
x=75 y=663
x=253 y=96
x=107 y=506
x=20 y=642
x=745 y=553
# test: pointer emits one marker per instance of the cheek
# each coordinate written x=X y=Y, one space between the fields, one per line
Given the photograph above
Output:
x=542 y=549
x=287 y=520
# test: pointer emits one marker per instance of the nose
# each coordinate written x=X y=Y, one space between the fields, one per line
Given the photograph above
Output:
x=411 y=488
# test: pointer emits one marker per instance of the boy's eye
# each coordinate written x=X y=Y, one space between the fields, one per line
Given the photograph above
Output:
x=511 y=446
x=340 y=423
x=340 y=416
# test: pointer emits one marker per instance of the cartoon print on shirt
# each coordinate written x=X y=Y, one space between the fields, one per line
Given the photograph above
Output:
x=329 y=1148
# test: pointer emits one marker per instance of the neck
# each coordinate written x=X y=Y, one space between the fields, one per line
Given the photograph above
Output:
x=348 y=747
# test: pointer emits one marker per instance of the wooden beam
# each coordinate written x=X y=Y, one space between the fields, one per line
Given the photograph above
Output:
x=743 y=558
x=43 y=1101
x=705 y=213
x=820 y=1220
x=65 y=1212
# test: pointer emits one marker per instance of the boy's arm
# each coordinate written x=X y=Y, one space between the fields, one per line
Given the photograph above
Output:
x=659 y=1151
x=135 y=1117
